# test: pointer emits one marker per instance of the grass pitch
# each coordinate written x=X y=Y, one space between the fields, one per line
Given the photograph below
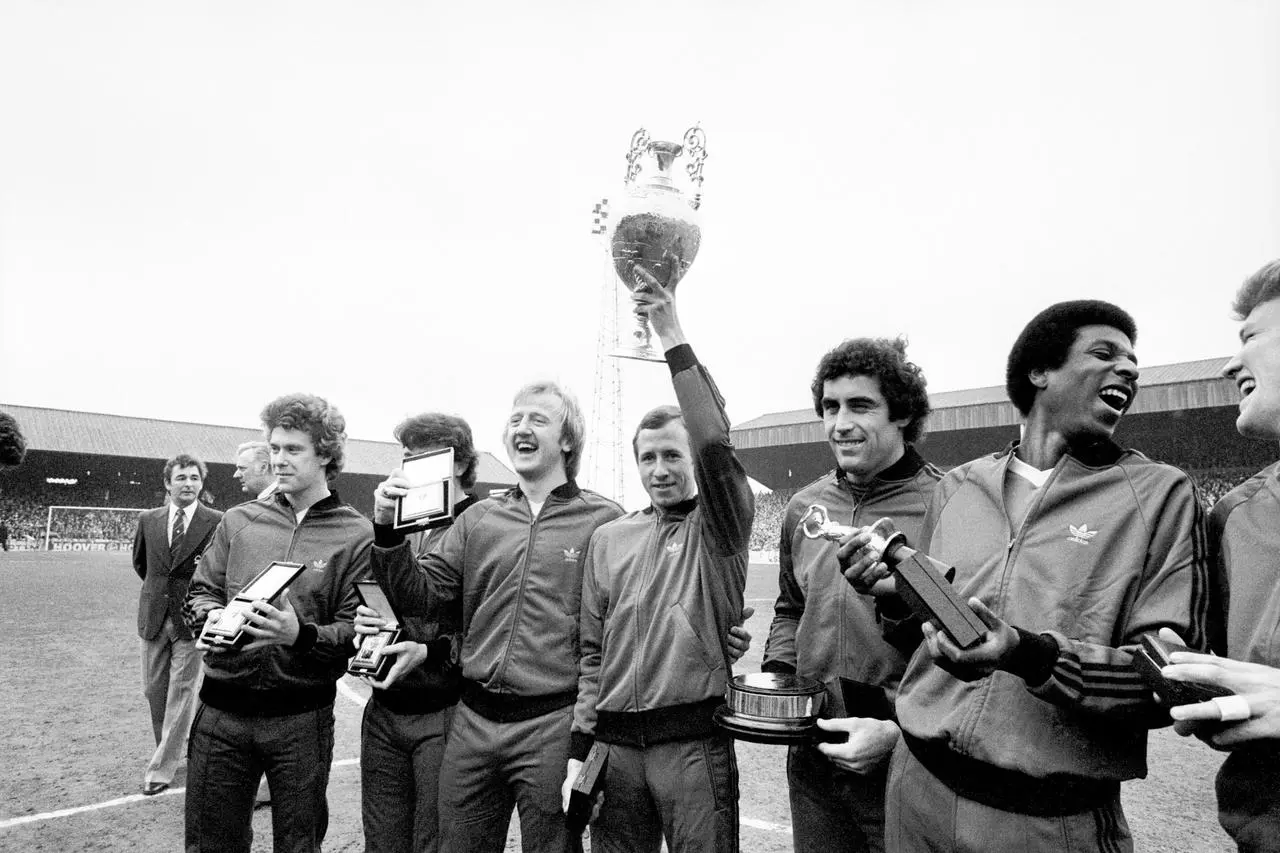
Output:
x=76 y=735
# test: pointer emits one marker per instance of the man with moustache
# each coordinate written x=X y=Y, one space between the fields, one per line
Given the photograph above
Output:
x=873 y=404
x=515 y=563
x=1021 y=742
x=166 y=550
x=406 y=722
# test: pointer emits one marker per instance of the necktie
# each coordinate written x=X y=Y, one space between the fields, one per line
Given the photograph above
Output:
x=179 y=528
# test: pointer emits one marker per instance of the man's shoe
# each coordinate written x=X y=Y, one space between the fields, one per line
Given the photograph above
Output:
x=152 y=788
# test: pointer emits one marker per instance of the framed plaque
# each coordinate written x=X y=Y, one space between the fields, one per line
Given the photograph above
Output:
x=587 y=787
x=430 y=500
x=228 y=631
x=369 y=661
x=1152 y=656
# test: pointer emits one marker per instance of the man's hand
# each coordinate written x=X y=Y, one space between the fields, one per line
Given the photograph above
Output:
x=739 y=640
x=210 y=618
x=368 y=620
x=861 y=566
x=272 y=626
x=571 y=772
x=1252 y=714
x=384 y=497
x=983 y=659
x=870 y=742
x=656 y=302
x=408 y=655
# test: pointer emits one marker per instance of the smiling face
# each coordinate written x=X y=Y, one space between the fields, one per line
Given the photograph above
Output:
x=863 y=438
x=184 y=485
x=299 y=470
x=666 y=463
x=1094 y=386
x=1256 y=371
x=534 y=439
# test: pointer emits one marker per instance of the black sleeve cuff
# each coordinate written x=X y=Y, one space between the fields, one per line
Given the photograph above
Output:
x=386 y=536
x=680 y=357
x=1034 y=658
x=892 y=606
x=778 y=666
x=307 y=636
x=579 y=745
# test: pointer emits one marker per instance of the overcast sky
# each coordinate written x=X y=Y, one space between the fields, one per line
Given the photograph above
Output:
x=205 y=205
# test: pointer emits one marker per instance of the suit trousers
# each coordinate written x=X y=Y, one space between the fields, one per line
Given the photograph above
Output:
x=684 y=792
x=923 y=815
x=171 y=676
x=400 y=758
x=228 y=754
x=489 y=767
x=832 y=808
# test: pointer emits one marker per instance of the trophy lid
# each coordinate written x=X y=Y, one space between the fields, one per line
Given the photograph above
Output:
x=777 y=684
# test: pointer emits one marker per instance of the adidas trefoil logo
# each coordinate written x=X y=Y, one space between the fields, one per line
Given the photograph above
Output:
x=571 y=555
x=319 y=565
x=1081 y=535
x=674 y=547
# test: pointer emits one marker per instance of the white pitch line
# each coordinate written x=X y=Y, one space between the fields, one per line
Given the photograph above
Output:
x=348 y=691
x=119 y=801
x=765 y=825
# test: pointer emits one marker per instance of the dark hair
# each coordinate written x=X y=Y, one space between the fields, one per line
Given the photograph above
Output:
x=314 y=416
x=884 y=359
x=1262 y=286
x=655 y=418
x=184 y=460
x=433 y=429
x=1047 y=339
x=12 y=444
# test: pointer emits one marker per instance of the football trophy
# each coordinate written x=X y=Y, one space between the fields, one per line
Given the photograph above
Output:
x=657 y=222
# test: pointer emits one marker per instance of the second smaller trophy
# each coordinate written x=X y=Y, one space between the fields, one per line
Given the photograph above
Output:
x=369 y=661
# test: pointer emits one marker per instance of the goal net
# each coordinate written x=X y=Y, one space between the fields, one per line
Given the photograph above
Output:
x=90 y=528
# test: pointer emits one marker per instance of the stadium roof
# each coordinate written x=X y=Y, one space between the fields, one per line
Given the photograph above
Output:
x=1164 y=387
x=65 y=431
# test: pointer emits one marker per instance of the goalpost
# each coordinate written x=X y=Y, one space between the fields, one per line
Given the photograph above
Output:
x=90 y=528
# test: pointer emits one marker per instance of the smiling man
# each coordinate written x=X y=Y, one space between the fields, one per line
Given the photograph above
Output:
x=873 y=406
x=661 y=588
x=515 y=563
x=166 y=551
x=268 y=707
x=1021 y=742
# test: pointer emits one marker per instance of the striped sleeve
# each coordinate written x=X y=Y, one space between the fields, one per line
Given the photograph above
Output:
x=1173 y=591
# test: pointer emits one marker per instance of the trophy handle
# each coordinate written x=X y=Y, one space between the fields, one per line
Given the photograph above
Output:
x=639 y=145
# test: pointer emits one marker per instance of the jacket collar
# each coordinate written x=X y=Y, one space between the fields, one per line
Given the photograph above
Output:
x=1093 y=452
x=904 y=469
x=322 y=505
x=565 y=491
x=676 y=512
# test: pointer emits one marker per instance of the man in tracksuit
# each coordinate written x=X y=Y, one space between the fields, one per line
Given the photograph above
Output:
x=1021 y=742
x=406 y=722
x=515 y=563
x=873 y=405
x=1245 y=534
x=268 y=707
x=661 y=588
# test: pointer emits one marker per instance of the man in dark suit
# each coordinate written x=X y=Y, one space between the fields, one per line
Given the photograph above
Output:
x=166 y=549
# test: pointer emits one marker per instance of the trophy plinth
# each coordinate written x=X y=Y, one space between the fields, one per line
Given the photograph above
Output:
x=657 y=226
x=774 y=707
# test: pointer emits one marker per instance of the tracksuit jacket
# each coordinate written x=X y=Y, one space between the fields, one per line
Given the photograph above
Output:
x=435 y=684
x=333 y=541
x=822 y=628
x=1245 y=532
x=520 y=581
x=1112 y=546
x=662 y=588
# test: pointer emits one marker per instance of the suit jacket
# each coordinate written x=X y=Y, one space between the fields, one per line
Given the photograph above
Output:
x=165 y=576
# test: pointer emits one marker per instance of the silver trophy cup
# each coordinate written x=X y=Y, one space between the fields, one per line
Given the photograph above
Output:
x=657 y=223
